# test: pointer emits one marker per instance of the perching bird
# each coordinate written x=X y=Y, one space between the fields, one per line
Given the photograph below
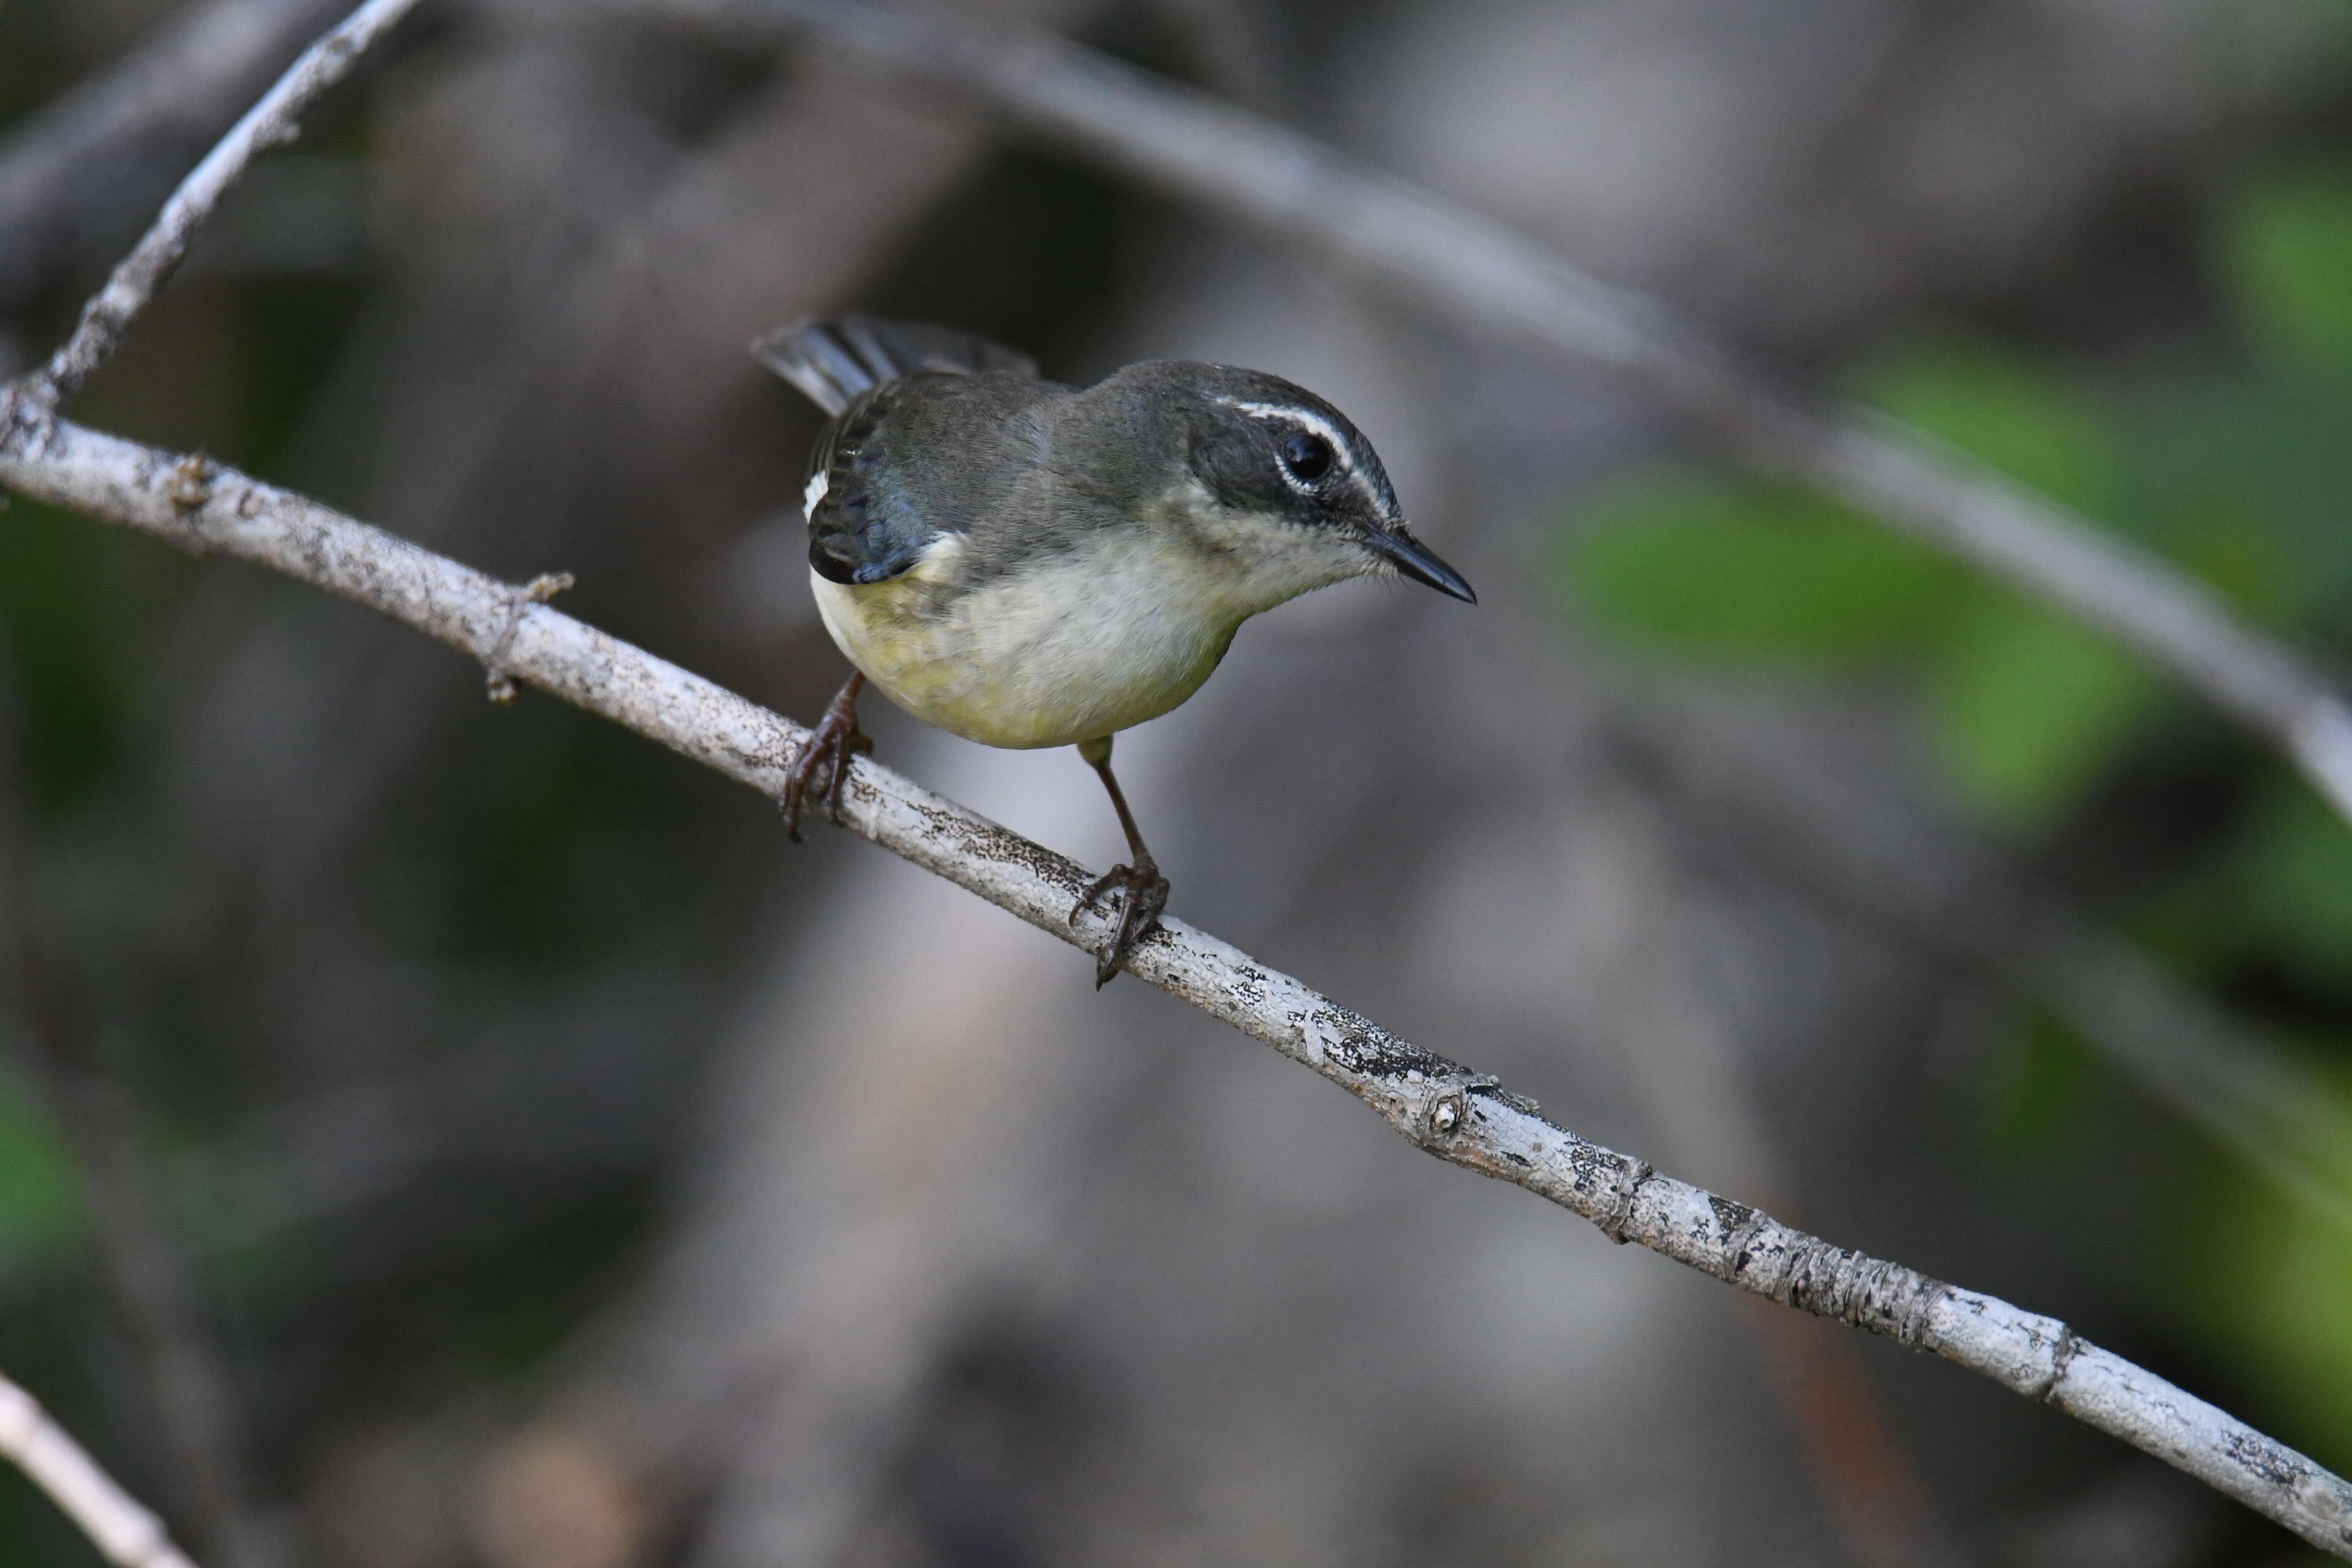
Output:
x=1025 y=564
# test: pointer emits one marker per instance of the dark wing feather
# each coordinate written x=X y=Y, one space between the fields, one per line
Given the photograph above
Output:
x=832 y=361
x=865 y=527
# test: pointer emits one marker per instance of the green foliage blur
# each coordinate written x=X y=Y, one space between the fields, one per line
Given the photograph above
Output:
x=2240 y=473
x=40 y=1212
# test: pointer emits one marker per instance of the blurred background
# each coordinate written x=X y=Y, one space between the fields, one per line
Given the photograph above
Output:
x=442 y=1135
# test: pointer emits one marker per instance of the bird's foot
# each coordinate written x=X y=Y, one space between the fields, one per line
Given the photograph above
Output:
x=830 y=746
x=1145 y=895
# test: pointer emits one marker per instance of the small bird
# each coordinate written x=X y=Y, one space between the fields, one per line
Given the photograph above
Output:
x=1025 y=564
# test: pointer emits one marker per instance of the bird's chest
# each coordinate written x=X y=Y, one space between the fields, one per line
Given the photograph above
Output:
x=1063 y=648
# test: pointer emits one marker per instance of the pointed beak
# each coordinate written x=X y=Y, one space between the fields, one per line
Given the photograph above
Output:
x=1419 y=562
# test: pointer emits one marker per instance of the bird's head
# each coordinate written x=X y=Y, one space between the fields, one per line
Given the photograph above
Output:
x=1283 y=482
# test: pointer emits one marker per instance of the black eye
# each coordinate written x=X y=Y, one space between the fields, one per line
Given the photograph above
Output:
x=1307 y=457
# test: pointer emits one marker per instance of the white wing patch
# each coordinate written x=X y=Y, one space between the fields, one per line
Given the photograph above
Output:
x=813 y=497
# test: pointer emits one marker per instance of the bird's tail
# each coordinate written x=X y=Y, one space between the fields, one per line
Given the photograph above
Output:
x=832 y=361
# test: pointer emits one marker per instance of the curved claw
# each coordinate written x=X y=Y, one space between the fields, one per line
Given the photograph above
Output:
x=1146 y=896
x=834 y=741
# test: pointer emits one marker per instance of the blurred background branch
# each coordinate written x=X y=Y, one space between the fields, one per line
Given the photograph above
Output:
x=492 y=1069
x=96 y=160
x=1505 y=288
x=274 y=119
x=125 y=1533
x=2248 y=1093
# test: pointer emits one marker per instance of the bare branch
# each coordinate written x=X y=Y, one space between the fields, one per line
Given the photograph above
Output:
x=124 y=1533
x=1500 y=285
x=79 y=166
x=273 y=120
x=1438 y=1105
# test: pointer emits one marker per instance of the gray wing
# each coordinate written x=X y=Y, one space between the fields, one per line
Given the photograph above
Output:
x=870 y=512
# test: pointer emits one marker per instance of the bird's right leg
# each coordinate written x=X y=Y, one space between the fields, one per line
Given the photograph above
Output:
x=1144 y=891
x=837 y=735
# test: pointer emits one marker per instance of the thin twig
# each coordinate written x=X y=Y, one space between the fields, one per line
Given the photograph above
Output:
x=275 y=119
x=86 y=161
x=125 y=1534
x=1500 y=285
x=1438 y=1105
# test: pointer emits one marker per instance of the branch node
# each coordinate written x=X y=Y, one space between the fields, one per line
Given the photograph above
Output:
x=28 y=416
x=1909 y=1321
x=1741 y=1226
x=538 y=591
x=1445 y=1118
x=192 y=483
x=1492 y=1089
x=1631 y=1176
x=2061 y=1356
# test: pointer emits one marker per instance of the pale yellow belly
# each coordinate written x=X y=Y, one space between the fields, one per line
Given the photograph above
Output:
x=1067 y=653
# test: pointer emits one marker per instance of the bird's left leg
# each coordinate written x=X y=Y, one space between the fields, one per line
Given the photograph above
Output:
x=1139 y=879
x=837 y=735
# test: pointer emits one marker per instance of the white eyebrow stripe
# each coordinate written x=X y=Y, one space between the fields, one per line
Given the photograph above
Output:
x=1297 y=415
x=1341 y=448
